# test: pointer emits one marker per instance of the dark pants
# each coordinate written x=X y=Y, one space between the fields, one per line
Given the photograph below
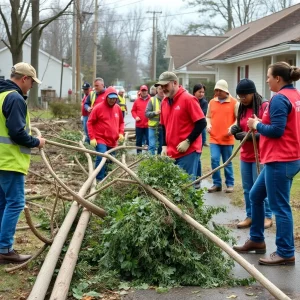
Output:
x=141 y=136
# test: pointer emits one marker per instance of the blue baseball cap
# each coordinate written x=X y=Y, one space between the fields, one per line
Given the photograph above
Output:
x=86 y=86
x=112 y=96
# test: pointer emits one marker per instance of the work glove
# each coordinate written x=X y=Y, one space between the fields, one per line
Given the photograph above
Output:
x=235 y=129
x=183 y=146
x=93 y=143
x=121 y=138
x=164 y=151
x=240 y=136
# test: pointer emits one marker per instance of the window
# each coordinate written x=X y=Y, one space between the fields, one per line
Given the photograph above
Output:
x=242 y=72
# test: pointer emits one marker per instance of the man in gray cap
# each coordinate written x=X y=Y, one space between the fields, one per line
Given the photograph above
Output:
x=182 y=122
x=15 y=144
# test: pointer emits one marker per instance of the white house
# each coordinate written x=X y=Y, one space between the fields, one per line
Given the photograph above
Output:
x=245 y=52
x=49 y=70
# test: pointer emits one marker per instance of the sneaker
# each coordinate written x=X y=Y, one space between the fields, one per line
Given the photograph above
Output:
x=215 y=188
x=244 y=224
x=13 y=257
x=197 y=185
x=206 y=144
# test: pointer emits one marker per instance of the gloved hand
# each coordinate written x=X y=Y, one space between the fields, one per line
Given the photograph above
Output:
x=93 y=143
x=235 y=129
x=183 y=146
x=121 y=138
x=164 y=151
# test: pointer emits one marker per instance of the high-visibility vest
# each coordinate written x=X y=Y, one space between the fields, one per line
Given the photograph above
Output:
x=13 y=157
x=93 y=97
x=122 y=103
x=156 y=106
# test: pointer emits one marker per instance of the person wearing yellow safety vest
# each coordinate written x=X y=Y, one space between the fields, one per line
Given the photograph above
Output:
x=122 y=101
x=96 y=96
x=154 y=128
x=15 y=144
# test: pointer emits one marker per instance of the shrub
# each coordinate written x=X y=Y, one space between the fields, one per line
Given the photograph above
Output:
x=61 y=109
x=143 y=241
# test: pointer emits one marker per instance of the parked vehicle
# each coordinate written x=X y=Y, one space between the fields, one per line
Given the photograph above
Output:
x=118 y=87
x=132 y=95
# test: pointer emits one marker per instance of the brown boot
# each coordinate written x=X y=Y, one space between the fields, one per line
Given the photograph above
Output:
x=215 y=188
x=268 y=223
x=13 y=257
x=249 y=246
x=229 y=189
x=244 y=224
x=276 y=260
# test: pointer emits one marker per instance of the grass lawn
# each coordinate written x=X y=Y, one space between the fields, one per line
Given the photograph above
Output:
x=237 y=197
x=41 y=114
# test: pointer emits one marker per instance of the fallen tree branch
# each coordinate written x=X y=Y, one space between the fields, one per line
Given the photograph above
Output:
x=33 y=229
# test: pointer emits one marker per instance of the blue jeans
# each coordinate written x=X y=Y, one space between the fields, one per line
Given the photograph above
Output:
x=189 y=163
x=141 y=136
x=84 y=124
x=216 y=151
x=199 y=167
x=12 y=201
x=275 y=180
x=249 y=175
x=101 y=148
x=155 y=139
x=203 y=136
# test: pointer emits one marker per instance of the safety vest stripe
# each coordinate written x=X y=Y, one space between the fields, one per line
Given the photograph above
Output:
x=8 y=141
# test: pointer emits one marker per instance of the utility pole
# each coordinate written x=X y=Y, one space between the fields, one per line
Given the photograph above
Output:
x=78 y=30
x=154 y=43
x=74 y=51
x=95 y=41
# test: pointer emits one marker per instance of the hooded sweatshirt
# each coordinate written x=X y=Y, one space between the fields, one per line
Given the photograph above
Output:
x=14 y=110
x=106 y=122
x=138 y=110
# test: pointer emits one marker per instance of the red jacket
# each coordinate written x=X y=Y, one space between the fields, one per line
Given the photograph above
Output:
x=138 y=110
x=179 y=119
x=287 y=147
x=83 y=111
x=106 y=122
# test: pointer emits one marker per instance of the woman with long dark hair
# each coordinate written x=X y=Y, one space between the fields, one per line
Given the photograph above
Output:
x=251 y=103
x=279 y=131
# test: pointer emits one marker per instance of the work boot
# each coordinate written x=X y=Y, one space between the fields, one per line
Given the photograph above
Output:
x=215 y=188
x=229 y=189
x=250 y=246
x=268 y=223
x=244 y=224
x=13 y=257
x=206 y=144
x=276 y=260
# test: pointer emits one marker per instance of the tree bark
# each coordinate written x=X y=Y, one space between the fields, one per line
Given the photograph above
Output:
x=35 y=45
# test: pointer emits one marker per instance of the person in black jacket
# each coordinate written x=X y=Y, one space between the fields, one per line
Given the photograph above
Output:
x=199 y=93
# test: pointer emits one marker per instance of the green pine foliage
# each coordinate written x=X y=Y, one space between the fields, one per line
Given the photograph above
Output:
x=144 y=242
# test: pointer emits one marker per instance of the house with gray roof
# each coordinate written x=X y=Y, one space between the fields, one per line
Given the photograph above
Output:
x=244 y=52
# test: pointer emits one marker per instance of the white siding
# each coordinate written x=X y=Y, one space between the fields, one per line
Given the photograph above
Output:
x=227 y=73
x=49 y=70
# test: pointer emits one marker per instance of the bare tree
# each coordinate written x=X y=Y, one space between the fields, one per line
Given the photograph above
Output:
x=277 y=5
x=15 y=34
x=233 y=12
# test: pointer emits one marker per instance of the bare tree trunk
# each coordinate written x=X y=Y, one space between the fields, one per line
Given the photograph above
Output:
x=35 y=45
